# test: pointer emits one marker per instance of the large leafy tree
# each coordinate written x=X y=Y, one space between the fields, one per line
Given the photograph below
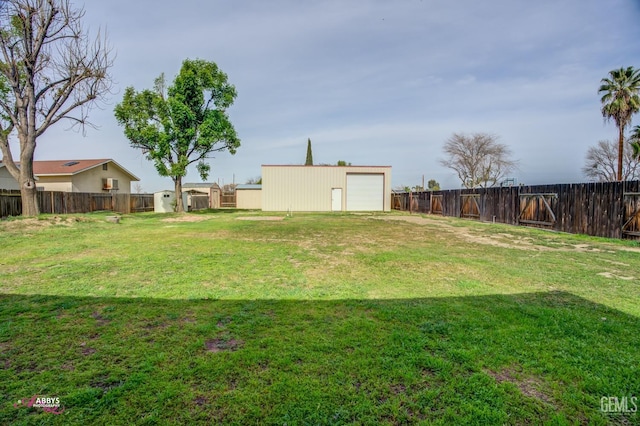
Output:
x=601 y=162
x=49 y=70
x=478 y=159
x=182 y=124
x=620 y=100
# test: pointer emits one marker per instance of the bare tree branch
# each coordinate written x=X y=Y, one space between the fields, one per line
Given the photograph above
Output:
x=478 y=160
x=601 y=163
x=51 y=70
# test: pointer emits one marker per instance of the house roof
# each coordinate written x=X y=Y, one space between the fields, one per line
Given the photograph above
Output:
x=2 y=165
x=249 y=186
x=206 y=185
x=323 y=165
x=73 y=167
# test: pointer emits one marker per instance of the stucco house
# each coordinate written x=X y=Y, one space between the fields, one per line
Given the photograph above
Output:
x=101 y=175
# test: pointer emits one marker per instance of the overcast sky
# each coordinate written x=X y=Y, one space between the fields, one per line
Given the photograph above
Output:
x=373 y=82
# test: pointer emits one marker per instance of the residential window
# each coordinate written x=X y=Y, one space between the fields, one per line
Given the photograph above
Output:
x=104 y=166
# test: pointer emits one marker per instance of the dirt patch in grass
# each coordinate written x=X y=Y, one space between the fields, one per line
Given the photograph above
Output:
x=529 y=386
x=631 y=249
x=31 y=224
x=100 y=320
x=503 y=240
x=86 y=351
x=497 y=240
x=67 y=366
x=152 y=325
x=614 y=276
x=186 y=218
x=267 y=218
x=219 y=345
x=200 y=401
x=104 y=383
x=398 y=389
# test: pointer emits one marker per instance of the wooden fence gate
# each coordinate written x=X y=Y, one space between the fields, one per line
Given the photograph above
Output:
x=436 y=204
x=228 y=199
x=470 y=206
x=538 y=209
x=631 y=222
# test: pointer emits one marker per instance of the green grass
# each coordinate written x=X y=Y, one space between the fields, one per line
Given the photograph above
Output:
x=314 y=319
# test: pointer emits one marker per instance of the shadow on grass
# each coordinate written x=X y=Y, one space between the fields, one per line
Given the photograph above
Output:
x=504 y=359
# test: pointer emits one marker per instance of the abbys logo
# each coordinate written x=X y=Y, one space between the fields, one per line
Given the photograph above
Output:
x=47 y=404
x=622 y=405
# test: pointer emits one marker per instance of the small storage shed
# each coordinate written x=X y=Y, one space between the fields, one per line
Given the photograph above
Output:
x=249 y=197
x=326 y=188
x=164 y=201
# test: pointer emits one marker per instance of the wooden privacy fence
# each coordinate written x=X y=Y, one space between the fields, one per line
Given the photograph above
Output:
x=228 y=199
x=604 y=209
x=77 y=202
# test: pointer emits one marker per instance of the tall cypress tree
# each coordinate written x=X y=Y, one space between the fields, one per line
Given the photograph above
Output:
x=309 y=160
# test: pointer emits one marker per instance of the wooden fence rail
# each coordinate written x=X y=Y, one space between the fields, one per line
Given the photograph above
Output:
x=77 y=202
x=604 y=209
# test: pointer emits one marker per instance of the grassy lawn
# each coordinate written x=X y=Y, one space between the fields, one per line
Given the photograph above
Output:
x=218 y=317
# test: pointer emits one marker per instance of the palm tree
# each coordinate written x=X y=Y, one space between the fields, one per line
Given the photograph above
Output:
x=620 y=100
x=635 y=142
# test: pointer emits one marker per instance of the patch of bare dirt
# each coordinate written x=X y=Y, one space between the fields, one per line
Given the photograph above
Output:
x=497 y=240
x=218 y=345
x=200 y=401
x=530 y=386
x=614 y=276
x=186 y=218
x=631 y=249
x=503 y=240
x=100 y=320
x=67 y=366
x=86 y=350
x=260 y=218
x=398 y=389
x=30 y=224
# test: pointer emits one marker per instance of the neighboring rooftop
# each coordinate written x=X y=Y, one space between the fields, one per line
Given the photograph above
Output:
x=72 y=167
x=200 y=185
x=248 y=186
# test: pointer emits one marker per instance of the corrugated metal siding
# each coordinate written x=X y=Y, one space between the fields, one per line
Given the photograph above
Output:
x=308 y=188
x=249 y=199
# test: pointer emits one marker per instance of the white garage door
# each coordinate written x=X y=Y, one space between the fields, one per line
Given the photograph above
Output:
x=365 y=192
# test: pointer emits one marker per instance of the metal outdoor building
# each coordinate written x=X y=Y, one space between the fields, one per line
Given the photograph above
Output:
x=326 y=188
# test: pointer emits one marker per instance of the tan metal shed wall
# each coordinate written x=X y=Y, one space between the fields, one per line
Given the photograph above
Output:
x=249 y=199
x=308 y=188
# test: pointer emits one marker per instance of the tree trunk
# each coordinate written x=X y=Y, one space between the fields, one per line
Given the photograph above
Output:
x=27 y=181
x=178 y=188
x=620 y=151
x=29 y=196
